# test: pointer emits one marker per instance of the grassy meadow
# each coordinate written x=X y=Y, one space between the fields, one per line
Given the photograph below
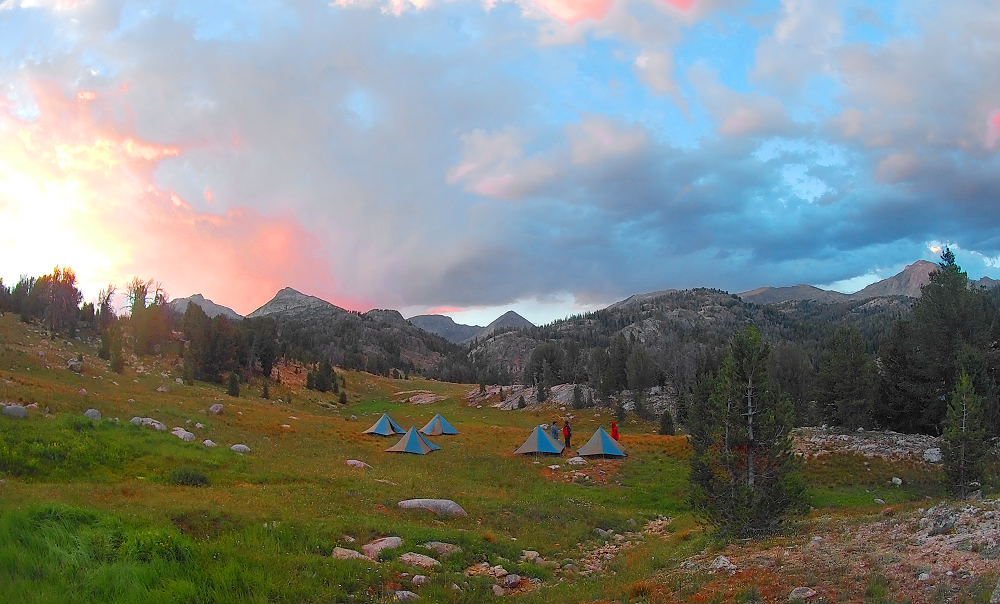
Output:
x=103 y=512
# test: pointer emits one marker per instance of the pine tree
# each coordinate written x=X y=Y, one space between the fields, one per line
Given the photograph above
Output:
x=265 y=393
x=577 y=397
x=234 y=384
x=343 y=397
x=667 y=423
x=845 y=380
x=963 y=446
x=742 y=469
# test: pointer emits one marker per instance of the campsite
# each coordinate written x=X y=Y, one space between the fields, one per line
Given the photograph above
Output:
x=114 y=512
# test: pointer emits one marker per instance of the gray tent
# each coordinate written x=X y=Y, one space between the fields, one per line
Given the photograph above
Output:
x=602 y=444
x=384 y=427
x=539 y=442
x=412 y=442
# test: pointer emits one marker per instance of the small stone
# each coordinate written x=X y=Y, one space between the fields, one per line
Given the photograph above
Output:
x=420 y=580
x=498 y=571
x=511 y=581
x=74 y=365
x=722 y=563
x=529 y=555
x=924 y=577
x=240 y=448
x=404 y=596
x=880 y=501
x=178 y=380
x=443 y=549
x=897 y=481
x=342 y=553
x=372 y=548
x=499 y=592
x=356 y=463
x=162 y=388
x=184 y=435
x=82 y=391
x=93 y=414
x=801 y=593
x=208 y=443
x=455 y=587
x=570 y=567
x=354 y=417
x=15 y=411
x=198 y=425
x=577 y=461
x=603 y=533
x=216 y=409
x=933 y=455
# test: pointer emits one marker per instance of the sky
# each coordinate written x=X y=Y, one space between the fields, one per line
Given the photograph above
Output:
x=470 y=157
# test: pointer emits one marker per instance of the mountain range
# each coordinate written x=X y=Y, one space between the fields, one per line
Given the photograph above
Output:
x=447 y=328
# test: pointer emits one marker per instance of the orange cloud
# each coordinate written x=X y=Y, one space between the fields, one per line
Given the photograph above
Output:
x=77 y=190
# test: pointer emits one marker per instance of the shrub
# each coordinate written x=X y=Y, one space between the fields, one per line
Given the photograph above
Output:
x=188 y=477
x=667 y=423
x=234 y=385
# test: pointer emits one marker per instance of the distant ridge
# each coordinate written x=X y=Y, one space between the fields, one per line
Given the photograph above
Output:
x=905 y=283
x=446 y=327
x=211 y=308
x=640 y=298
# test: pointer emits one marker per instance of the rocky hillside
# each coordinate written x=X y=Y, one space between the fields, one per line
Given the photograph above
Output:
x=905 y=283
x=377 y=341
x=446 y=327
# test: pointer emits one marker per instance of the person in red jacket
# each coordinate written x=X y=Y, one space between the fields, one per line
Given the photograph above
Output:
x=614 y=430
x=567 y=432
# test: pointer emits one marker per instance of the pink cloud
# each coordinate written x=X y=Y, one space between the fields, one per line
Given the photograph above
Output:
x=77 y=190
x=574 y=11
x=597 y=138
x=993 y=129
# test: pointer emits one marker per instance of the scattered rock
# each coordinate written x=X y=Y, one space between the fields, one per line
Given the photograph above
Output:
x=801 y=593
x=722 y=563
x=372 y=548
x=342 y=553
x=511 y=581
x=15 y=411
x=570 y=567
x=404 y=596
x=529 y=555
x=356 y=463
x=93 y=414
x=880 y=501
x=75 y=365
x=942 y=520
x=924 y=577
x=499 y=592
x=443 y=549
x=216 y=409
x=208 y=443
x=82 y=391
x=354 y=417
x=162 y=388
x=933 y=455
x=897 y=481
x=414 y=559
x=198 y=425
x=420 y=580
x=185 y=435
x=577 y=461
x=445 y=507
x=240 y=448
x=178 y=380
x=603 y=534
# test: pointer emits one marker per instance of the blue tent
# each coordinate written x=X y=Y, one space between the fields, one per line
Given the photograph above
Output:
x=428 y=442
x=385 y=427
x=438 y=425
x=539 y=441
x=412 y=442
x=602 y=444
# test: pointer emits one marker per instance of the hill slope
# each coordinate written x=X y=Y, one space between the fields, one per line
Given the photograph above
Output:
x=211 y=308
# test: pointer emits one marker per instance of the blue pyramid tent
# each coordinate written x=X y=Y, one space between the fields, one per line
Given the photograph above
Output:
x=539 y=441
x=411 y=443
x=384 y=427
x=602 y=444
x=438 y=425
x=427 y=442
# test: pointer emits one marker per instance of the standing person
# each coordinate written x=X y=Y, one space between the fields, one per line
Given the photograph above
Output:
x=614 y=430
x=554 y=430
x=567 y=432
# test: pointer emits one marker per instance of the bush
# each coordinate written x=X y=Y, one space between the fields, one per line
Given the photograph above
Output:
x=667 y=423
x=234 y=385
x=188 y=477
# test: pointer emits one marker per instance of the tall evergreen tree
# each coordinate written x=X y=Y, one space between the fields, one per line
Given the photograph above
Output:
x=845 y=380
x=234 y=384
x=743 y=470
x=963 y=446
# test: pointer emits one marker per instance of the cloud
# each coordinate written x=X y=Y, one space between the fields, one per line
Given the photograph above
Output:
x=493 y=165
x=597 y=138
x=738 y=113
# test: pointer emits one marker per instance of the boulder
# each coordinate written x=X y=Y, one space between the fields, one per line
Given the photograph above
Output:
x=216 y=409
x=15 y=411
x=499 y=592
x=184 y=435
x=75 y=365
x=577 y=461
x=208 y=443
x=933 y=455
x=93 y=414
x=801 y=593
x=924 y=577
x=404 y=596
x=136 y=421
x=722 y=563
x=420 y=580
x=442 y=549
x=445 y=507
x=414 y=559
x=372 y=548
x=897 y=481
x=342 y=553
x=529 y=555
x=511 y=581
x=240 y=448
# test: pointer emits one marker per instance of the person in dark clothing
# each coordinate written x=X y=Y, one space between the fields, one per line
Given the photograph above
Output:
x=567 y=432
x=554 y=430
